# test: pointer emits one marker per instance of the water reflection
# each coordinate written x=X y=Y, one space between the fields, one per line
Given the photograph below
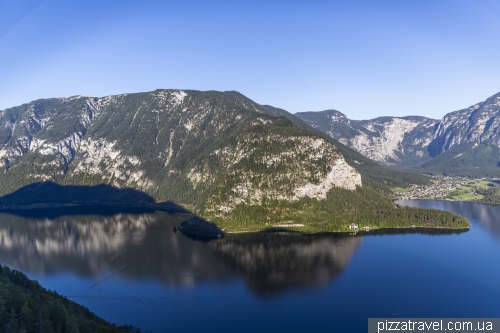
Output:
x=135 y=247
x=485 y=215
x=273 y=262
x=413 y=231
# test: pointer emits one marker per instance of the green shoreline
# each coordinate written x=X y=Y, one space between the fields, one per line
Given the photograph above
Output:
x=363 y=207
x=308 y=231
x=307 y=216
x=278 y=227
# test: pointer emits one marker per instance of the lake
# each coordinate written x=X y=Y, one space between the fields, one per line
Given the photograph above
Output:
x=133 y=268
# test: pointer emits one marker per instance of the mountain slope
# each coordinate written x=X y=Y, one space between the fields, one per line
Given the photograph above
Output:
x=388 y=140
x=377 y=176
x=473 y=160
x=219 y=153
x=198 y=148
x=422 y=144
x=475 y=124
x=467 y=142
x=28 y=307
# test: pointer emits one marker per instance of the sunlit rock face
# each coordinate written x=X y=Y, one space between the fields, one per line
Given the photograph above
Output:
x=171 y=144
x=53 y=128
x=273 y=262
x=475 y=124
x=299 y=166
x=388 y=140
x=411 y=140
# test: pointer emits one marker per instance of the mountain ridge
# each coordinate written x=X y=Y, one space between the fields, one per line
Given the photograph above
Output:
x=221 y=154
x=189 y=135
x=414 y=142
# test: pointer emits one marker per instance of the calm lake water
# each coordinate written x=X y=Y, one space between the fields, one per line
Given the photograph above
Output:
x=134 y=269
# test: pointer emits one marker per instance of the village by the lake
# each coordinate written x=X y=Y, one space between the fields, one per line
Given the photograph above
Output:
x=448 y=188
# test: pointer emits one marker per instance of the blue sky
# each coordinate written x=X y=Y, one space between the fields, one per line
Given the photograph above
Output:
x=364 y=58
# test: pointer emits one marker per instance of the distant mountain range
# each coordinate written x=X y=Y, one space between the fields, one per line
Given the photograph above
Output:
x=220 y=154
x=464 y=142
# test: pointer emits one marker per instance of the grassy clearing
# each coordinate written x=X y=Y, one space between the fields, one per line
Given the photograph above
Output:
x=482 y=184
x=467 y=196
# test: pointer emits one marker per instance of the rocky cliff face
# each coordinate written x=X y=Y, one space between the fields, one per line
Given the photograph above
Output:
x=410 y=141
x=475 y=124
x=295 y=166
x=53 y=128
x=208 y=149
x=388 y=140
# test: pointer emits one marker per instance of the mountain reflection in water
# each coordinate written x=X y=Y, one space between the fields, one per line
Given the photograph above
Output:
x=273 y=262
x=137 y=246
x=144 y=246
x=133 y=246
x=133 y=268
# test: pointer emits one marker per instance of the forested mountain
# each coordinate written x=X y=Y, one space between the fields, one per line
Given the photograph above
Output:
x=368 y=169
x=218 y=153
x=464 y=142
x=199 y=148
x=25 y=306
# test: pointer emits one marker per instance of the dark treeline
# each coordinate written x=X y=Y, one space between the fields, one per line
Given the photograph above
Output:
x=25 y=306
x=465 y=160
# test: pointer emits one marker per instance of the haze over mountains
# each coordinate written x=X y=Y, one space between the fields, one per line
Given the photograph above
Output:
x=464 y=142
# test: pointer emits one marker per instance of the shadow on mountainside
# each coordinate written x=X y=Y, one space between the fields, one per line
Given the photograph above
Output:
x=49 y=199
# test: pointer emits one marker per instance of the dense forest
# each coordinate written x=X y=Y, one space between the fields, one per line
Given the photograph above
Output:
x=365 y=207
x=25 y=306
x=490 y=195
x=466 y=160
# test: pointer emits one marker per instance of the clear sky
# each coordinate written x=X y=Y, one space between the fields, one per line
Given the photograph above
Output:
x=364 y=58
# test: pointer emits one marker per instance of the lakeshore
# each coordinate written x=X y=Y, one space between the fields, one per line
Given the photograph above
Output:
x=133 y=268
x=448 y=188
